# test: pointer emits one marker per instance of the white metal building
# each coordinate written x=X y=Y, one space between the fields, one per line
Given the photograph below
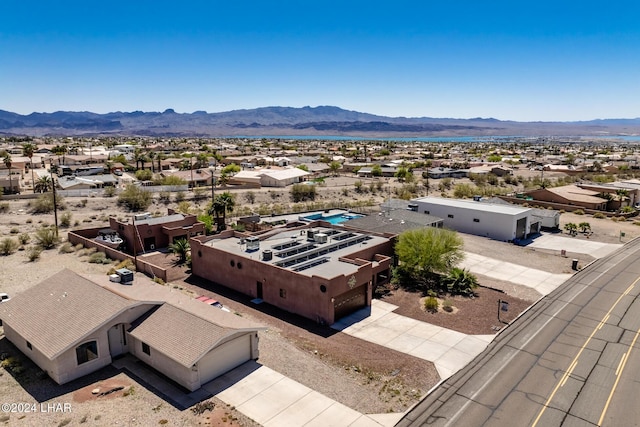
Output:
x=495 y=221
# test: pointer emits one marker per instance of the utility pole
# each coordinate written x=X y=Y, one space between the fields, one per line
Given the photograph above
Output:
x=55 y=204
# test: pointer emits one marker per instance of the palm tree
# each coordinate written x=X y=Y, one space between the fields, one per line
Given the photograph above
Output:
x=28 y=150
x=181 y=248
x=7 y=163
x=223 y=203
x=584 y=227
x=43 y=185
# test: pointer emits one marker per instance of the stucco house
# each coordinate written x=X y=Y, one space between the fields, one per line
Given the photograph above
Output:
x=72 y=325
x=149 y=233
x=318 y=271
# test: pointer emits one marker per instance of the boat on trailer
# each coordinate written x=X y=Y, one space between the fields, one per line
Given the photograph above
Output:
x=109 y=237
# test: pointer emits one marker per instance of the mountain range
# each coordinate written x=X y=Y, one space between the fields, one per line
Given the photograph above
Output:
x=279 y=121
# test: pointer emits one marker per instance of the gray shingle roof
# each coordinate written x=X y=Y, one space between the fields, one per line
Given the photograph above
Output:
x=68 y=307
x=170 y=330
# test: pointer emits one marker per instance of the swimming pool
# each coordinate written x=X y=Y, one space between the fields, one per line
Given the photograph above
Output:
x=333 y=219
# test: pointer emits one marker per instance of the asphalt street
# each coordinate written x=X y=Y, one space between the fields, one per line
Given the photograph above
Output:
x=573 y=359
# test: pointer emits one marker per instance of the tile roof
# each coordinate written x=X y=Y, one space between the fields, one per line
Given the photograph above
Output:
x=68 y=307
x=179 y=334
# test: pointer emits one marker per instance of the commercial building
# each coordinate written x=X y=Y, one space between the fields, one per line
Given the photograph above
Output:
x=496 y=221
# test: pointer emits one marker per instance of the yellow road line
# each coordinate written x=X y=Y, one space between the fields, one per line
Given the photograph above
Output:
x=621 y=366
x=573 y=364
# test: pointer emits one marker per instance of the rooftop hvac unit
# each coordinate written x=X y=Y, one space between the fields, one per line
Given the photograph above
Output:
x=114 y=278
x=321 y=238
x=267 y=255
x=126 y=275
x=142 y=216
x=310 y=233
x=253 y=243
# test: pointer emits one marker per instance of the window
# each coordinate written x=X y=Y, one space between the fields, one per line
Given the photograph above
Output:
x=240 y=265
x=146 y=349
x=476 y=219
x=87 y=352
x=29 y=346
x=283 y=293
x=450 y=215
x=323 y=288
x=427 y=212
x=232 y=263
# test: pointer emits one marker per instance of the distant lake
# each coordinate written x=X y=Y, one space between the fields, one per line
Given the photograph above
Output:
x=578 y=138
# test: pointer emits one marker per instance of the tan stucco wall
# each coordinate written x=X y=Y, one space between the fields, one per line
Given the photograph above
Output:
x=169 y=367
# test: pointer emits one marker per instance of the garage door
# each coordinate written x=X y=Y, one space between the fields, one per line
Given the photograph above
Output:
x=349 y=302
x=224 y=358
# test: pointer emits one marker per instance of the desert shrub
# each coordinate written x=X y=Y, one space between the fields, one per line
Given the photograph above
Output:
x=431 y=304
x=144 y=175
x=250 y=197
x=8 y=246
x=200 y=193
x=599 y=215
x=135 y=198
x=158 y=280
x=24 y=238
x=179 y=197
x=302 y=192
x=447 y=305
x=33 y=253
x=67 y=248
x=99 y=258
x=4 y=207
x=164 y=197
x=578 y=212
x=78 y=246
x=65 y=220
x=14 y=230
x=109 y=191
x=184 y=207
x=201 y=407
x=125 y=263
x=44 y=204
x=46 y=238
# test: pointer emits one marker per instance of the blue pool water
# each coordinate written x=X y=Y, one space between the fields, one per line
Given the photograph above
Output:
x=333 y=219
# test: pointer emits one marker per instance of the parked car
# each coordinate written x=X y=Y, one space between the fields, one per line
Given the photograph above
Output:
x=4 y=297
x=213 y=302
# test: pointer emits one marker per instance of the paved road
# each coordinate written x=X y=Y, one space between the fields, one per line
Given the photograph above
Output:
x=572 y=360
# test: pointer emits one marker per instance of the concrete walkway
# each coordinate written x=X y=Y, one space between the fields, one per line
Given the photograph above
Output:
x=272 y=399
x=570 y=244
x=448 y=350
x=541 y=281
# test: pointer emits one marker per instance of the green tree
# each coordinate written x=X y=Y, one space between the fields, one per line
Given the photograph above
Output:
x=27 y=150
x=464 y=191
x=303 y=167
x=334 y=167
x=584 y=227
x=135 y=198
x=460 y=282
x=571 y=228
x=427 y=251
x=403 y=174
x=376 y=170
x=180 y=247
x=231 y=169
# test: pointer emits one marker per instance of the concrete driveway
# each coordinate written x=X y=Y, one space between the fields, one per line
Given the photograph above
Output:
x=542 y=281
x=570 y=244
x=448 y=350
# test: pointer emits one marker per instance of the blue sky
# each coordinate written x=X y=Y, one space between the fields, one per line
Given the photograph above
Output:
x=526 y=61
